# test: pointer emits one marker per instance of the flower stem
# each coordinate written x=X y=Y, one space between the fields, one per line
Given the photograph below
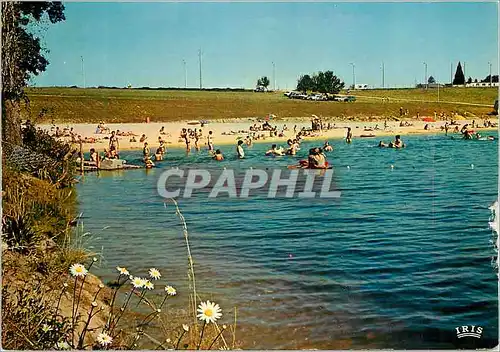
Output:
x=179 y=340
x=122 y=309
x=220 y=333
x=201 y=335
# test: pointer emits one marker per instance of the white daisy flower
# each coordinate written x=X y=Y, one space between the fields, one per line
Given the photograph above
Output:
x=122 y=271
x=78 y=270
x=63 y=345
x=185 y=327
x=104 y=339
x=209 y=311
x=154 y=273
x=170 y=291
x=149 y=285
x=137 y=282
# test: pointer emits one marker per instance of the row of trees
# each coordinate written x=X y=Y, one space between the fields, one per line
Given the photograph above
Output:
x=459 y=78
x=323 y=82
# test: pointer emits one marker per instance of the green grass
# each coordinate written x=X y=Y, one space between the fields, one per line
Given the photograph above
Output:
x=134 y=105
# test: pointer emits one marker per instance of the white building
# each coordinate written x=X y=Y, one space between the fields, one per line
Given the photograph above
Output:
x=480 y=84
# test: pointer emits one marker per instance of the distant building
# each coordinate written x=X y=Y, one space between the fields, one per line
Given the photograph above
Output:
x=480 y=84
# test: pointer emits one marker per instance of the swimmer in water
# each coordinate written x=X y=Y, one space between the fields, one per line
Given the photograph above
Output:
x=381 y=144
x=327 y=147
x=292 y=147
x=316 y=159
x=397 y=143
x=348 y=137
x=239 y=150
x=274 y=151
x=218 y=155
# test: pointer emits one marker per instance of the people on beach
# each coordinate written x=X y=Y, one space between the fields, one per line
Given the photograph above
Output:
x=143 y=138
x=185 y=136
x=239 y=150
x=348 y=137
x=197 y=136
x=113 y=140
x=218 y=155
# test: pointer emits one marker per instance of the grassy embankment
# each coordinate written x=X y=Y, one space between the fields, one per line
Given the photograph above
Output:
x=45 y=305
x=74 y=105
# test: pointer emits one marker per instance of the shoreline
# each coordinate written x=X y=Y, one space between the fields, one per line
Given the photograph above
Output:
x=228 y=133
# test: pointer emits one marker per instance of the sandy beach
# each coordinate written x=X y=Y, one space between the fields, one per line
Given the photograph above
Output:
x=228 y=132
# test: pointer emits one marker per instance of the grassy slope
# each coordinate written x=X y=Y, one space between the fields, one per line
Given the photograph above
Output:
x=123 y=105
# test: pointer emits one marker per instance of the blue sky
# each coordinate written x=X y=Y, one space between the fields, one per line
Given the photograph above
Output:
x=144 y=44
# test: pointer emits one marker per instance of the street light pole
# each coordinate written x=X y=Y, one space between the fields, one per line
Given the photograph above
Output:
x=425 y=77
x=383 y=75
x=451 y=73
x=274 y=76
x=83 y=72
x=491 y=77
x=185 y=74
x=438 y=90
x=199 y=58
x=353 y=76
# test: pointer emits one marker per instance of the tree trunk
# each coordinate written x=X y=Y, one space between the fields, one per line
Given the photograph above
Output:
x=11 y=124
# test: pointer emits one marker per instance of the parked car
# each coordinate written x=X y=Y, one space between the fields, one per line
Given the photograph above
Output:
x=260 y=89
x=345 y=98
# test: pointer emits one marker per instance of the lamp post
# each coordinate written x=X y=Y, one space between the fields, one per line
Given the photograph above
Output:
x=274 y=75
x=491 y=77
x=353 y=76
x=425 y=76
x=383 y=75
x=83 y=71
x=199 y=58
x=185 y=73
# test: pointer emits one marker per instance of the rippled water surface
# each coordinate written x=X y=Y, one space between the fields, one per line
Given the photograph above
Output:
x=398 y=261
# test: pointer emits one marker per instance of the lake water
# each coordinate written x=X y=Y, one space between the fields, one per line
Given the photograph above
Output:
x=398 y=261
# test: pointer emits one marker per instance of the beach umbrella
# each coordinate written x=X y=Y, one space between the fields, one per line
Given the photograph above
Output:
x=428 y=119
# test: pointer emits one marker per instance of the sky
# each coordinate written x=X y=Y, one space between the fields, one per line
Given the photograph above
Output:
x=145 y=44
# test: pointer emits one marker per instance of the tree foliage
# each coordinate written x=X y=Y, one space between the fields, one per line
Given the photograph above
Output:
x=431 y=80
x=263 y=81
x=21 y=56
x=494 y=79
x=323 y=82
x=459 y=75
x=469 y=80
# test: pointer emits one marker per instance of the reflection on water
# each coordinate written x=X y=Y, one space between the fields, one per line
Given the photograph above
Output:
x=400 y=260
